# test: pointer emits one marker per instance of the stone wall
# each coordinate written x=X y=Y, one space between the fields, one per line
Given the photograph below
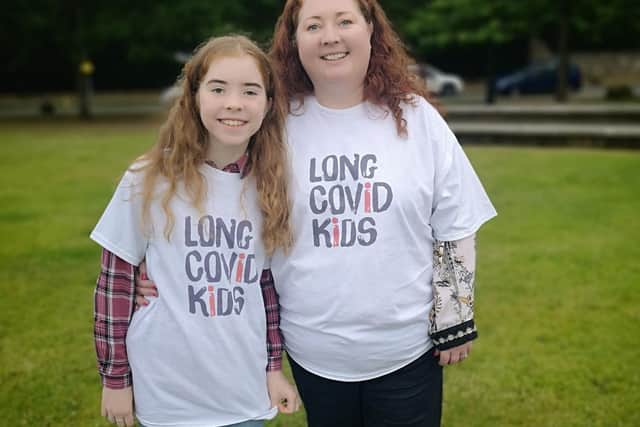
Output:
x=598 y=68
x=609 y=68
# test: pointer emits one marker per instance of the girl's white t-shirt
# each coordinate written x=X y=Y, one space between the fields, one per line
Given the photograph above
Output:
x=355 y=290
x=198 y=352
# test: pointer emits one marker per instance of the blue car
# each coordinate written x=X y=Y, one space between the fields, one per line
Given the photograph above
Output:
x=537 y=78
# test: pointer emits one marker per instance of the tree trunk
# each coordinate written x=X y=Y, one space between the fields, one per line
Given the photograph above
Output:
x=490 y=88
x=562 y=88
x=85 y=92
x=84 y=84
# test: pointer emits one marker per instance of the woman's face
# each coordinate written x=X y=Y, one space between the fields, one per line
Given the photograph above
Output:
x=334 y=43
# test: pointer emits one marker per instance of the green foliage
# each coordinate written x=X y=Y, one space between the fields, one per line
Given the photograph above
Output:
x=446 y=22
x=127 y=40
x=461 y=22
x=557 y=300
x=132 y=42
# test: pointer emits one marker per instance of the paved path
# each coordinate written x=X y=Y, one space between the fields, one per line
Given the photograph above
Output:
x=548 y=129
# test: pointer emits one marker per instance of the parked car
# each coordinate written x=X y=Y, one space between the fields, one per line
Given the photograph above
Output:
x=537 y=78
x=438 y=82
x=170 y=94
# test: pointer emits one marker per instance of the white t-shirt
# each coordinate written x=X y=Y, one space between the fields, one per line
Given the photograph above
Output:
x=198 y=353
x=355 y=290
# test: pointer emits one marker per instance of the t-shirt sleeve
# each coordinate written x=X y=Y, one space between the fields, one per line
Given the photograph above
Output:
x=120 y=229
x=460 y=203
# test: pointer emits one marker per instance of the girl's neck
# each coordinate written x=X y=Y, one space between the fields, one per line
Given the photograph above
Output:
x=222 y=156
x=339 y=97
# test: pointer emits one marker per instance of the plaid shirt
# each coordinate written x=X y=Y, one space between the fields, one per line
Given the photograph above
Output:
x=114 y=299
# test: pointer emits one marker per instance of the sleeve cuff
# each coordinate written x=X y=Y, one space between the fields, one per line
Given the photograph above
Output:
x=274 y=364
x=116 y=383
x=455 y=335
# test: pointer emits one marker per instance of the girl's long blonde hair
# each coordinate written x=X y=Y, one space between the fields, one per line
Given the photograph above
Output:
x=183 y=142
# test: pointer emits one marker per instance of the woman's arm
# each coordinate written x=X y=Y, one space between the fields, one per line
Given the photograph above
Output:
x=452 y=326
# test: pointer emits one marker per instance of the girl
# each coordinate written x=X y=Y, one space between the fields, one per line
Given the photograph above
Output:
x=198 y=355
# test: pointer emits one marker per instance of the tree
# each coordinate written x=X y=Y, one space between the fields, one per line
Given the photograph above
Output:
x=495 y=22
x=43 y=42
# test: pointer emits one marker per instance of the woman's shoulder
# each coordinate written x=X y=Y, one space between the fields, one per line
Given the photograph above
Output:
x=419 y=104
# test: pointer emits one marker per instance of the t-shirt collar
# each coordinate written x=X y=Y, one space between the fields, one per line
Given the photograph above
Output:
x=240 y=166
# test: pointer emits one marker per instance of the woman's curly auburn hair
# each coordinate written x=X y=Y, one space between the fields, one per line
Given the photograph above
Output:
x=182 y=145
x=388 y=82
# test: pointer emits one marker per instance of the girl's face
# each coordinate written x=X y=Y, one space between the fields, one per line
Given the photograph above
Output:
x=334 y=43
x=232 y=100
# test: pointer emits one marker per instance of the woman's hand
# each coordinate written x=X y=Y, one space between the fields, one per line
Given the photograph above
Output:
x=144 y=286
x=283 y=395
x=454 y=355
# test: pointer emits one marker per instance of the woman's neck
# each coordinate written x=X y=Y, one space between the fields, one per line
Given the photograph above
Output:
x=339 y=97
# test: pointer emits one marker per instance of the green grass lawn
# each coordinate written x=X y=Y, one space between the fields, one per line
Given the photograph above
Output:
x=557 y=299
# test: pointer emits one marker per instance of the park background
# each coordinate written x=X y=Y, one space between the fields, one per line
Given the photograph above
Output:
x=558 y=271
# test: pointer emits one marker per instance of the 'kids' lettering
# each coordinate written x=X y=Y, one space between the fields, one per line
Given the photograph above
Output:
x=345 y=200
x=219 y=265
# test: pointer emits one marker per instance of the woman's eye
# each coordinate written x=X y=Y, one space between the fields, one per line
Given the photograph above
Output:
x=313 y=27
x=346 y=22
x=251 y=92
x=217 y=90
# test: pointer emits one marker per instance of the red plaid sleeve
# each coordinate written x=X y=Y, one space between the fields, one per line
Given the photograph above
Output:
x=113 y=307
x=272 y=309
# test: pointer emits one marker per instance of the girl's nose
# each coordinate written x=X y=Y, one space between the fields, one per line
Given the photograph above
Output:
x=233 y=103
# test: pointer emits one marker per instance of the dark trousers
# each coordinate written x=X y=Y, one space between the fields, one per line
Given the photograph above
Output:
x=408 y=397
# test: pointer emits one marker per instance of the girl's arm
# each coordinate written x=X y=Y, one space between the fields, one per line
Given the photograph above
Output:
x=283 y=395
x=113 y=307
x=452 y=326
x=272 y=309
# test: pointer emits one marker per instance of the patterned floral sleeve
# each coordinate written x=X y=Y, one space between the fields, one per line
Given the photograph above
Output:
x=272 y=308
x=453 y=285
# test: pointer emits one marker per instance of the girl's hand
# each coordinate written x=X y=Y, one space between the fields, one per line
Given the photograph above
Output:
x=454 y=355
x=117 y=406
x=283 y=395
x=144 y=286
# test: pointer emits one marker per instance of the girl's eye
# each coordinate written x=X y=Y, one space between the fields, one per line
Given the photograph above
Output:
x=251 y=92
x=346 y=22
x=217 y=90
x=313 y=27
